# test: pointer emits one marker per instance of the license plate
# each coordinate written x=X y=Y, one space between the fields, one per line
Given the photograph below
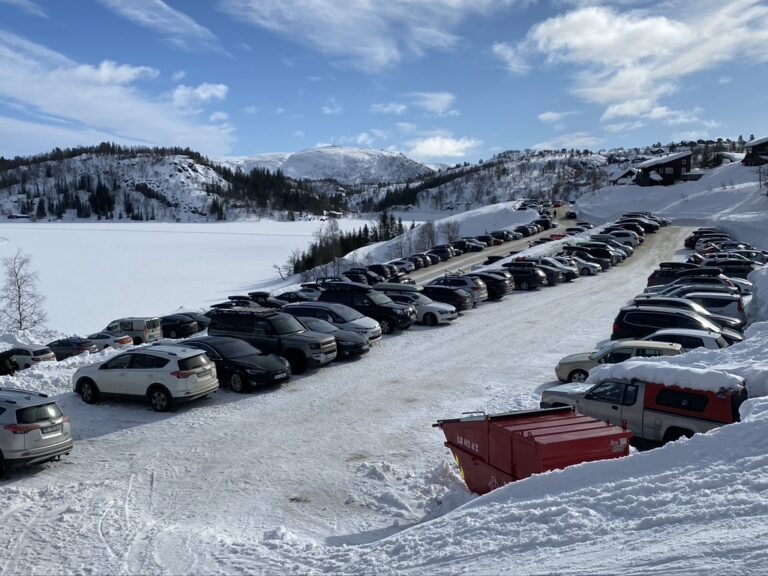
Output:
x=279 y=375
x=51 y=428
x=203 y=374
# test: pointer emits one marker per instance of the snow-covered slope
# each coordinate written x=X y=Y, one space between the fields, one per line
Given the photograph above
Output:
x=345 y=165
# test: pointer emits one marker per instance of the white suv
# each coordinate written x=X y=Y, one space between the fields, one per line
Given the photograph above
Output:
x=161 y=374
x=32 y=429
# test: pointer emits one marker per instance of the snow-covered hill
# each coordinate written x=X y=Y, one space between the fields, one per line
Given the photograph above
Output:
x=131 y=186
x=345 y=165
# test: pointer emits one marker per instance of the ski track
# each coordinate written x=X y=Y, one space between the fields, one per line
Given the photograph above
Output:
x=313 y=480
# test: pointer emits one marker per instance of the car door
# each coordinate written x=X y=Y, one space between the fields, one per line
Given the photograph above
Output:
x=113 y=373
x=141 y=373
x=603 y=402
x=262 y=336
x=617 y=356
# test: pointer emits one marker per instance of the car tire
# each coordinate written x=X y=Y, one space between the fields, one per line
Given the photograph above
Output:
x=586 y=271
x=387 y=327
x=524 y=285
x=578 y=376
x=88 y=391
x=137 y=341
x=160 y=399
x=297 y=360
x=238 y=383
x=3 y=469
x=173 y=334
x=430 y=319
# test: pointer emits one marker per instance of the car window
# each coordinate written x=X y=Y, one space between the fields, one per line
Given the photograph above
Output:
x=261 y=327
x=209 y=351
x=117 y=363
x=681 y=399
x=198 y=361
x=41 y=352
x=303 y=311
x=618 y=355
x=606 y=392
x=126 y=326
x=630 y=395
x=647 y=352
x=34 y=414
x=147 y=362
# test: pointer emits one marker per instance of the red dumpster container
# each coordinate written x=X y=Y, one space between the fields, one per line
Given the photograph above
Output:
x=493 y=450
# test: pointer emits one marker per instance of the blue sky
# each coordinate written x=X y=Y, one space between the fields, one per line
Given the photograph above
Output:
x=439 y=80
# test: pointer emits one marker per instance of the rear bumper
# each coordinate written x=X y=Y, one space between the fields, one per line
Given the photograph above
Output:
x=322 y=358
x=24 y=458
x=197 y=392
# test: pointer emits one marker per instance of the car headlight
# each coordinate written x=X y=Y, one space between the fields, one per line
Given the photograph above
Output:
x=255 y=372
x=444 y=312
x=314 y=346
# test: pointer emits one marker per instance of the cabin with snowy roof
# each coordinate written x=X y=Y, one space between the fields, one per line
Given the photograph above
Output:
x=664 y=170
x=756 y=152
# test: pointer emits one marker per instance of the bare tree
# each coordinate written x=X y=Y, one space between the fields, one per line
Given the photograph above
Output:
x=21 y=304
x=427 y=235
x=449 y=230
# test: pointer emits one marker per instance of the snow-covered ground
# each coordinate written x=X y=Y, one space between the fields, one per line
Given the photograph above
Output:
x=93 y=273
x=340 y=471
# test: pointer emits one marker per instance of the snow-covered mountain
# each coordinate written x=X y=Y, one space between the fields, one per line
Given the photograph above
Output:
x=345 y=165
x=119 y=186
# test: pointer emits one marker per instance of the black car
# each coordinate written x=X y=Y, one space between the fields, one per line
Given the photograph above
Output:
x=590 y=255
x=67 y=347
x=240 y=365
x=497 y=286
x=355 y=277
x=293 y=296
x=371 y=303
x=457 y=297
x=493 y=259
x=8 y=365
x=348 y=343
x=527 y=276
x=178 y=326
x=638 y=321
x=381 y=269
x=442 y=253
x=202 y=320
x=265 y=299
x=370 y=277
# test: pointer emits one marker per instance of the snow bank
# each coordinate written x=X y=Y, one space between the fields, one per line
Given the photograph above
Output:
x=758 y=305
x=662 y=372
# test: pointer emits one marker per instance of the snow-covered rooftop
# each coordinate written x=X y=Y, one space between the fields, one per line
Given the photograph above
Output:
x=757 y=142
x=663 y=159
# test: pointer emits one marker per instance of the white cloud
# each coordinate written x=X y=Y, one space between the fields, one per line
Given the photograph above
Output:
x=332 y=108
x=180 y=29
x=186 y=96
x=389 y=108
x=298 y=134
x=379 y=134
x=690 y=135
x=367 y=35
x=28 y=6
x=435 y=147
x=577 y=140
x=82 y=103
x=511 y=56
x=218 y=117
x=629 y=59
x=553 y=117
x=724 y=80
x=437 y=103
x=406 y=127
x=109 y=72
x=178 y=76
x=250 y=109
x=623 y=126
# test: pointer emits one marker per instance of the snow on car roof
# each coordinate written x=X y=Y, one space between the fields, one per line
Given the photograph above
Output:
x=660 y=372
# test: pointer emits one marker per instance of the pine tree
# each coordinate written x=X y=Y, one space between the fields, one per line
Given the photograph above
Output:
x=40 y=214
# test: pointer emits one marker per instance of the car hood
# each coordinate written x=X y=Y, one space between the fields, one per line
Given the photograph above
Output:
x=439 y=306
x=569 y=390
x=349 y=337
x=266 y=362
x=581 y=357
x=365 y=323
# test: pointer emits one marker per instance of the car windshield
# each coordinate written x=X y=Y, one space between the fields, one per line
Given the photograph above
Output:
x=421 y=299
x=347 y=314
x=379 y=298
x=601 y=352
x=287 y=325
x=236 y=349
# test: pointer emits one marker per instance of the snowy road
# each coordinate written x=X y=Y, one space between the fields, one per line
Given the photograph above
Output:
x=344 y=455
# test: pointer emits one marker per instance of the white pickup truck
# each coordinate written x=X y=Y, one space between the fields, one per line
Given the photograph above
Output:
x=654 y=412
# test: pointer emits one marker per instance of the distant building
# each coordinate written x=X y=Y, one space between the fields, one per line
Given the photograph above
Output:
x=665 y=170
x=756 y=152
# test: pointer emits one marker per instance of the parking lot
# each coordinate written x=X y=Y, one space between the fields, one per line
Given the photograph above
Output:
x=345 y=454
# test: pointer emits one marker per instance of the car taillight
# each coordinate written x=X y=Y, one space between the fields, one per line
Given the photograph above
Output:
x=36 y=359
x=182 y=373
x=21 y=428
x=740 y=306
x=616 y=327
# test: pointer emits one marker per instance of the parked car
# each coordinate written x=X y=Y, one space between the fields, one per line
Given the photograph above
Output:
x=689 y=339
x=294 y=296
x=202 y=320
x=26 y=355
x=475 y=286
x=527 y=275
x=263 y=299
x=103 y=340
x=178 y=326
x=493 y=259
x=731 y=305
x=652 y=411
x=626 y=237
x=241 y=366
x=576 y=367
x=142 y=329
x=341 y=316
x=348 y=343
x=277 y=333
x=8 y=365
x=164 y=375
x=456 y=297
x=687 y=304
x=404 y=266
x=638 y=321
x=428 y=312
x=585 y=267
x=67 y=347
x=497 y=286
x=370 y=302
x=719 y=280
x=33 y=429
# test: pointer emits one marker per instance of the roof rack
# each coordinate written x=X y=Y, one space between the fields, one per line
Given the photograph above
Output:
x=22 y=391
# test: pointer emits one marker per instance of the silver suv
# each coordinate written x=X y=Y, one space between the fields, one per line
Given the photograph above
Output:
x=33 y=429
x=162 y=374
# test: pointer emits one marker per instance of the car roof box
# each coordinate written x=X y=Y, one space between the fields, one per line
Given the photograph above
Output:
x=394 y=287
